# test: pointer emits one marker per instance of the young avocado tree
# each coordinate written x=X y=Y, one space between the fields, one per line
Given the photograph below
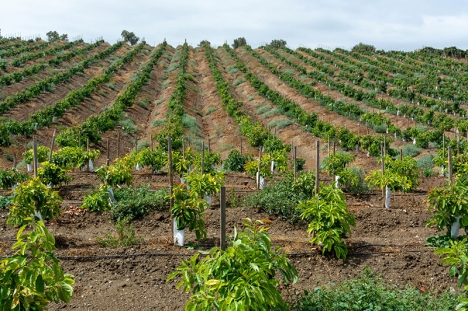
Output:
x=329 y=220
x=32 y=278
x=242 y=277
x=335 y=165
x=399 y=175
x=449 y=205
x=456 y=256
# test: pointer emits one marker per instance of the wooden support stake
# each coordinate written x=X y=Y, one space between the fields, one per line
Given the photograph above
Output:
x=295 y=162
x=203 y=158
x=240 y=145
x=317 y=167
x=259 y=163
x=108 y=153
x=52 y=146
x=209 y=145
x=450 y=163
x=35 y=162
x=382 y=149
x=151 y=142
x=443 y=145
x=171 y=178
x=458 y=144
x=14 y=160
x=118 y=144
x=401 y=154
x=222 y=199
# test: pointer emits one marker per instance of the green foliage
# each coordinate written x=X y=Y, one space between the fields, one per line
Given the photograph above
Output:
x=277 y=43
x=188 y=210
x=425 y=162
x=371 y=292
x=73 y=157
x=239 y=42
x=42 y=155
x=54 y=36
x=130 y=37
x=118 y=174
x=329 y=220
x=156 y=159
x=305 y=184
x=98 y=200
x=400 y=175
x=280 y=198
x=240 y=278
x=133 y=203
x=30 y=197
x=363 y=48
x=201 y=184
x=448 y=202
x=32 y=278
x=211 y=110
x=442 y=241
x=52 y=174
x=128 y=126
x=211 y=159
x=235 y=161
x=357 y=186
x=125 y=235
x=10 y=178
x=5 y=202
x=410 y=151
x=336 y=163
x=456 y=256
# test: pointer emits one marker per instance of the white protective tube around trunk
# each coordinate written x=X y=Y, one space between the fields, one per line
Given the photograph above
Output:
x=388 y=196
x=138 y=167
x=179 y=235
x=91 y=166
x=112 y=199
x=208 y=198
x=29 y=166
x=260 y=181
x=455 y=227
x=337 y=184
x=414 y=141
x=272 y=168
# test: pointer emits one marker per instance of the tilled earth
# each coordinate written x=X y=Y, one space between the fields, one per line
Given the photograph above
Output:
x=388 y=241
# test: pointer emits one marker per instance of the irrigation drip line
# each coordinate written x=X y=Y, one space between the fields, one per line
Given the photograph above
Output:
x=298 y=254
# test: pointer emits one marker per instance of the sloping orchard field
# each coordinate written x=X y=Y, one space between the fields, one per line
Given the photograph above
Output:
x=120 y=99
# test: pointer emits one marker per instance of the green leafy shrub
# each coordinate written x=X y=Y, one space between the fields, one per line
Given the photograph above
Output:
x=235 y=161
x=240 y=278
x=133 y=203
x=52 y=174
x=370 y=292
x=456 y=256
x=98 y=200
x=279 y=199
x=448 y=202
x=410 y=151
x=425 y=162
x=32 y=278
x=188 y=210
x=33 y=196
x=42 y=155
x=359 y=185
x=329 y=220
x=5 y=202
x=125 y=235
x=11 y=177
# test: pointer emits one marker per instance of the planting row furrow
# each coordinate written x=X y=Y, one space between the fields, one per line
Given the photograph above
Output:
x=48 y=84
x=19 y=75
x=95 y=125
x=46 y=116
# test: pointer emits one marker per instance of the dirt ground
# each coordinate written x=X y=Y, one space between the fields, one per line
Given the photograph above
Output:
x=389 y=241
